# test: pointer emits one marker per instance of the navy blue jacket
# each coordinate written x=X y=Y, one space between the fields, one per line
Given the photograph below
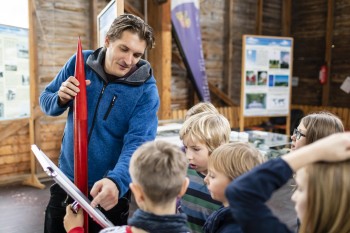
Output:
x=221 y=221
x=248 y=193
x=122 y=115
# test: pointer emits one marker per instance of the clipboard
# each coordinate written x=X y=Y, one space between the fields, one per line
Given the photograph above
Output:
x=60 y=178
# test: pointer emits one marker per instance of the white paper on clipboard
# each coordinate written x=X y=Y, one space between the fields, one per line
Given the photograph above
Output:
x=53 y=171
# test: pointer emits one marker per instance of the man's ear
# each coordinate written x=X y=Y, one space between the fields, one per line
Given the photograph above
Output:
x=106 y=41
x=184 y=187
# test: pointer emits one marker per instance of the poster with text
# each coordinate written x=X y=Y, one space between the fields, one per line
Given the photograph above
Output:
x=266 y=75
x=14 y=73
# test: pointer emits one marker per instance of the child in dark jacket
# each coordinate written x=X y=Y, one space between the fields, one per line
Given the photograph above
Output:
x=322 y=196
x=158 y=173
x=225 y=164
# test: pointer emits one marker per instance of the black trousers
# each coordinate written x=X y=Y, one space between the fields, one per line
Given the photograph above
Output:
x=56 y=210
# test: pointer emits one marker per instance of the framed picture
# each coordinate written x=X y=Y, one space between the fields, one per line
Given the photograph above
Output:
x=104 y=21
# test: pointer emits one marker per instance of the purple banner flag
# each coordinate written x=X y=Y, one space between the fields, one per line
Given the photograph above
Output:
x=185 y=21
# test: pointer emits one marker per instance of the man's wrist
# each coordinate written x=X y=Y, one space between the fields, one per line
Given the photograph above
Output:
x=116 y=184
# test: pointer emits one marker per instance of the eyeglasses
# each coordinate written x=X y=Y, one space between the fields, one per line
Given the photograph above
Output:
x=298 y=134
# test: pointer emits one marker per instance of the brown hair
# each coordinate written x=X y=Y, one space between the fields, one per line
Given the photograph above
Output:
x=160 y=168
x=328 y=198
x=212 y=129
x=129 y=22
x=321 y=124
x=234 y=159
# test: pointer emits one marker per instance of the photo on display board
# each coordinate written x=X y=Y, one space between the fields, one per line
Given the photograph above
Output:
x=281 y=80
x=285 y=58
x=256 y=101
x=262 y=78
x=251 y=57
x=250 y=78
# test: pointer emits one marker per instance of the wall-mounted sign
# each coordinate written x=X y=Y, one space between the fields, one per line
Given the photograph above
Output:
x=266 y=75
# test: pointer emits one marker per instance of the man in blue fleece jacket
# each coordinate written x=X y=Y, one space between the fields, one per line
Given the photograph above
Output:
x=122 y=102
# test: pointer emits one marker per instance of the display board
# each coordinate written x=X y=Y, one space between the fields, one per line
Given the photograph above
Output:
x=14 y=73
x=266 y=76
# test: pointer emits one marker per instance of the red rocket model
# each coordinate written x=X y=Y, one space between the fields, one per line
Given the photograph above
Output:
x=81 y=130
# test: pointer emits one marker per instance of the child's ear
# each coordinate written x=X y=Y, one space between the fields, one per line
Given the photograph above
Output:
x=184 y=187
x=137 y=191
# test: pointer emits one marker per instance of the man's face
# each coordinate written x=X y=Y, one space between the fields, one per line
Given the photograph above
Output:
x=123 y=54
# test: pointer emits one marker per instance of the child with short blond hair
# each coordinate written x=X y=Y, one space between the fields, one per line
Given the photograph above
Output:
x=225 y=164
x=201 y=134
x=201 y=107
x=158 y=174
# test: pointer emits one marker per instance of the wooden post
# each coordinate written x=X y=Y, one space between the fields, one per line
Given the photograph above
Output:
x=286 y=17
x=228 y=63
x=33 y=179
x=328 y=52
x=120 y=7
x=159 y=18
x=93 y=23
x=259 y=17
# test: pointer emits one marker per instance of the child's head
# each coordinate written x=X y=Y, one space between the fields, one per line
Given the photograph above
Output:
x=314 y=127
x=201 y=134
x=226 y=163
x=322 y=198
x=159 y=169
x=201 y=107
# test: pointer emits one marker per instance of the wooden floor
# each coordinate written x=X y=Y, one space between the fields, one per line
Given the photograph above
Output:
x=22 y=207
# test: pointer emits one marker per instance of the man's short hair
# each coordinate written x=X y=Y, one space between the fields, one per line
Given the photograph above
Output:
x=129 y=22
x=160 y=168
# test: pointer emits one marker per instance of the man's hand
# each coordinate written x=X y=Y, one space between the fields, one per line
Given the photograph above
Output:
x=72 y=220
x=69 y=89
x=105 y=194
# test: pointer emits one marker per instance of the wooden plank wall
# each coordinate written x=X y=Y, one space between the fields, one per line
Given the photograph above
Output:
x=14 y=153
x=308 y=30
x=340 y=68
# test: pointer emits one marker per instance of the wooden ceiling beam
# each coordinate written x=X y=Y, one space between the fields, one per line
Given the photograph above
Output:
x=132 y=10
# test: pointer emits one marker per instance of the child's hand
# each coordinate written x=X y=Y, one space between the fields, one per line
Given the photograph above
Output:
x=72 y=220
x=334 y=148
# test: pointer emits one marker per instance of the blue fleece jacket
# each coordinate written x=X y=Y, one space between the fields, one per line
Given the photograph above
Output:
x=122 y=115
